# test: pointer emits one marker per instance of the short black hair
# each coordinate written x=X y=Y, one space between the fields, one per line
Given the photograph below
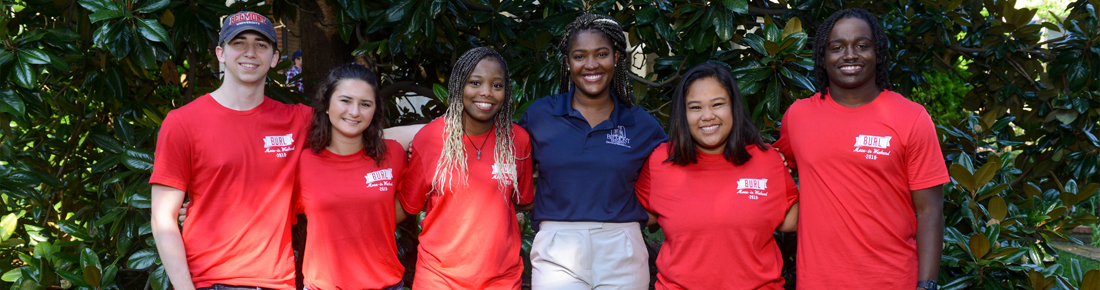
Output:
x=878 y=34
x=681 y=150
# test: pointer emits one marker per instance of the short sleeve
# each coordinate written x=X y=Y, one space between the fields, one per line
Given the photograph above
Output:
x=413 y=190
x=792 y=188
x=784 y=142
x=642 y=185
x=524 y=167
x=923 y=156
x=172 y=159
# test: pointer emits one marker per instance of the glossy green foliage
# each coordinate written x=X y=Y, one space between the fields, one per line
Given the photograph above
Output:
x=86 y=84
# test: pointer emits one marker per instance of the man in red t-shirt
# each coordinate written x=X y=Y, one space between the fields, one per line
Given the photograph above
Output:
x=233 y=153
x=872 y=210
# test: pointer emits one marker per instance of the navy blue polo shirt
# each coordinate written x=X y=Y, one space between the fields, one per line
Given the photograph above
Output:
x=585 y=173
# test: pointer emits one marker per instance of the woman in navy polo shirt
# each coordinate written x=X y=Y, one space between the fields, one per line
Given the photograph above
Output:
x=589 y=143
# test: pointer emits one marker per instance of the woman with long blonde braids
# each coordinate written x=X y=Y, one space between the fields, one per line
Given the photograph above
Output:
x=468 y=186
x=590 y=142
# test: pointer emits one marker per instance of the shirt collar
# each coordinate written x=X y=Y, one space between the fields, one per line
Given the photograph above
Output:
x=619 y=115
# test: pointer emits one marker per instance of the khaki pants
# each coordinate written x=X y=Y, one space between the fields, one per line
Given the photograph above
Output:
x=589 y=255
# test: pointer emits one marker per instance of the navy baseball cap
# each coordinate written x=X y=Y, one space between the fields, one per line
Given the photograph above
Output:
x=246 y=21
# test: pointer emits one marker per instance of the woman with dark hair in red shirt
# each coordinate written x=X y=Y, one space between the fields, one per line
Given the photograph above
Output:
x=718 y=191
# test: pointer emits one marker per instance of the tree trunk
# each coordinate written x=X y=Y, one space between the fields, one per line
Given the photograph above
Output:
x=322 y=48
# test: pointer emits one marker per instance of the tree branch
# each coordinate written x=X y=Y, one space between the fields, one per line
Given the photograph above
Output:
x=662 y=84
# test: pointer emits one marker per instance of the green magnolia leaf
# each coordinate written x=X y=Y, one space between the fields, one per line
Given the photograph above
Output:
x=109 y=274
x=142 y=259
x=11 y=103
x=124 y=131
x=646 y=15
x=440 y=92
x=106 y=163
x=107 y=143
x=138 y=160
x=368 y=47
x=11 y=275
x=74 y=278
x=99 y=5
x=75 y=230
x=92 y=275
x=397 y=12
x=979 y=245
x=963 y=177
x=24 y=74
x=1077 y=75
x=159 y=279
x=148 y=6
x=34 y=56
x=106 y=14
x=794 y=25
x=723 y=25
x=739 y=6
x=1066 y=116
x=151 y=29
x=8 y=224
x=998 y=209
x=1091 y=279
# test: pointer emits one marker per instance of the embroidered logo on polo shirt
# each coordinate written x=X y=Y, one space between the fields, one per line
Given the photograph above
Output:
x=499 y=172
x=383 y=179
x=618 y=137
x=872 y=146
x=279 y=145
x=754 y=188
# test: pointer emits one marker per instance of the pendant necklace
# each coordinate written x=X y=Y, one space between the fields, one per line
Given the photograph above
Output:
x=475 y=146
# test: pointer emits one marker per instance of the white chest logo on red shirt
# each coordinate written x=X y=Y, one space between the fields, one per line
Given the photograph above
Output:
x=872 y=146
x=499 y=172
x=618 y=137
x=279 y=145
x=754 y=188
x=383 y=179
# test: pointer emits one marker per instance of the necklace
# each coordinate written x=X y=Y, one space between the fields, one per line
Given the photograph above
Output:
x=475 y=146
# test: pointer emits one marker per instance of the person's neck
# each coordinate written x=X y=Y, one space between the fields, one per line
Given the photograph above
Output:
x=475 y=128
x=343 y=145
x=854 y=98
x=600 y=102
x=237 y=96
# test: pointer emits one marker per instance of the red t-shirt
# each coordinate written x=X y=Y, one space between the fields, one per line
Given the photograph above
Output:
x=238 y=169
x=470 y=237
x=719 y=219
x=857 y=168
x=350 y=205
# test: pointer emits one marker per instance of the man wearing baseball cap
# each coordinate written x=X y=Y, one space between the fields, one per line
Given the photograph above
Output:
x=233 y=153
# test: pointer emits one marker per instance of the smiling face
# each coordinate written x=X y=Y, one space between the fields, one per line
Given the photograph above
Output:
x=709 y=115
x=592 y=63
x=483 y=96
x=351 y=109
x=850 y=56
x=247 y=58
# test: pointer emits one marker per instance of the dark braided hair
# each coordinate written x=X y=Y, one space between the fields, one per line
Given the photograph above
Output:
x=614 y=33
x=452 y=160
x=882 y=48
x=320 y=130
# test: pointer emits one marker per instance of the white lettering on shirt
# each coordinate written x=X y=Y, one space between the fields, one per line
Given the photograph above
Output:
x=618 y=137
x=877 y=144
x=754 y=188
x=499 y=171
x=381 y=179
x=284 y=143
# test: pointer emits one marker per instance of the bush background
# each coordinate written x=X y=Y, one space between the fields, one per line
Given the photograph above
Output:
x=86 y=84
